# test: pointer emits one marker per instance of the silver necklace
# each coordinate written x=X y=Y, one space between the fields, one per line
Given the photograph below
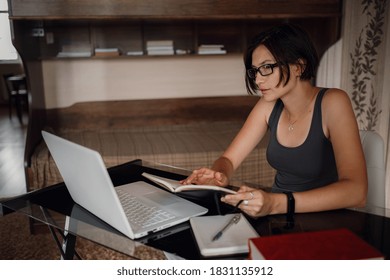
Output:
x=290 y=123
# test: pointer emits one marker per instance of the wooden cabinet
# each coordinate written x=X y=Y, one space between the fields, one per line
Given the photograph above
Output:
x=79 y=38
x=77 y=28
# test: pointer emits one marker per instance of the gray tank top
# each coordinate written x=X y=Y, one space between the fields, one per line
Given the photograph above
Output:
x=308 y=166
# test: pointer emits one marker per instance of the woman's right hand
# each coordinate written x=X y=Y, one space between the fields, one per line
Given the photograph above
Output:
x=206 y=176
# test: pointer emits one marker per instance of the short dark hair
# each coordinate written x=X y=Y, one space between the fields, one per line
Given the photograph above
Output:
x=288 y=44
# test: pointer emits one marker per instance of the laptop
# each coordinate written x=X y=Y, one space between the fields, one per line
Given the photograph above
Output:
x=136 y=209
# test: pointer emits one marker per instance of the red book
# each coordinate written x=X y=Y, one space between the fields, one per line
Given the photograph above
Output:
x=339 y=244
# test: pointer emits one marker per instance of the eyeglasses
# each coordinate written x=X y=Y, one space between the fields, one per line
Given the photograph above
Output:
x=264 y=70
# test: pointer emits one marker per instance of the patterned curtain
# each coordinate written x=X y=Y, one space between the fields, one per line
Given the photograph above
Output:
x=364 y=51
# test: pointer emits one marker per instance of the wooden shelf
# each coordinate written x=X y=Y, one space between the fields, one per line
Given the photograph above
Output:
x=61 y=36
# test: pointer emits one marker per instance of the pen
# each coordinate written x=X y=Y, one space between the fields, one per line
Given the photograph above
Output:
x=233 y=220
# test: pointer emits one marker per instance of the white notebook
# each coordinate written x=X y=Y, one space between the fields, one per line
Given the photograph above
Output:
x=233 y=241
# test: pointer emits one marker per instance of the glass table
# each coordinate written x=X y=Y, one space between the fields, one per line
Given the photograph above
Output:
x=67 y=221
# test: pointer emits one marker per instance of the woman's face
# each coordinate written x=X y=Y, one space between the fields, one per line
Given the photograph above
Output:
x=268 y=85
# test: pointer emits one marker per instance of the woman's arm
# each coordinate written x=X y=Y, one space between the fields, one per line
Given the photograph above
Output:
x=350 y=190
x=251 y=133
x=245 y=141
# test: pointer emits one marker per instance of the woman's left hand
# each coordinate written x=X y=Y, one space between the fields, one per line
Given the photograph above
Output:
x=255 y=202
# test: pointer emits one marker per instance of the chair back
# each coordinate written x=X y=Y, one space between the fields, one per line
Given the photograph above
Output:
x=374 y=152
x=7 y=84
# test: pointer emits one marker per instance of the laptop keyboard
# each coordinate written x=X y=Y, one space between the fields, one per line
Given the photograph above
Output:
x=140 y=213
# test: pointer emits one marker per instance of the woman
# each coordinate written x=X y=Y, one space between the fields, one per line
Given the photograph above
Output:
x=314 y=139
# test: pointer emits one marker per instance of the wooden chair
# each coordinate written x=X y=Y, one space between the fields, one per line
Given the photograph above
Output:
x=17 y=94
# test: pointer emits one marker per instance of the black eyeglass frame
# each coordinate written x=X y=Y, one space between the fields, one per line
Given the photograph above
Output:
x=253 y=71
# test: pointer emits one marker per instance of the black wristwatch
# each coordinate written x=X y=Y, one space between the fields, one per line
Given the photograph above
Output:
x=290 y=206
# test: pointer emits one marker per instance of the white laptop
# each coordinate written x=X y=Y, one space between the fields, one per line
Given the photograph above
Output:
x=90 y=186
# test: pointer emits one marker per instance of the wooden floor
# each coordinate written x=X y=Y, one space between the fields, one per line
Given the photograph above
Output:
x=12 y=140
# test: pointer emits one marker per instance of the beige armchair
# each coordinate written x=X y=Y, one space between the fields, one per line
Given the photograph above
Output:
x=373 y=147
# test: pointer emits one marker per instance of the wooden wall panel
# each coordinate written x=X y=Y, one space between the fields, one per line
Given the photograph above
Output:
x=173 y=8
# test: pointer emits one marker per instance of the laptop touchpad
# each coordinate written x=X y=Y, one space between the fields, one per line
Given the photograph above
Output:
x=162 y=198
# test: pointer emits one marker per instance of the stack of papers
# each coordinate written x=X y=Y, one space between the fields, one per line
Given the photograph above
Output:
x=75 y=50
x=105 y=52
x=74 y=54
x=211 y=49
x=160 y=47
x=135 y=53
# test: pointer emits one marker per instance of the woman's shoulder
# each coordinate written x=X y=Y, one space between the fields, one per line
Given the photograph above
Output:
x=332 y=94
x=266 y=105
x=335 y=98
x=336 y=106
x=262 y=110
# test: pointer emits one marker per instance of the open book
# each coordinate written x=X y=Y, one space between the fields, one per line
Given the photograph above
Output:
x=175 y=186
